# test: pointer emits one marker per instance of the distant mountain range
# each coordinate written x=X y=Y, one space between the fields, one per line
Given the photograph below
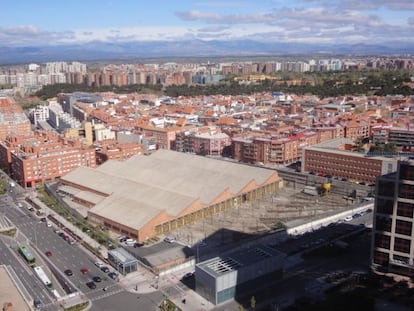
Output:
x=98 y=51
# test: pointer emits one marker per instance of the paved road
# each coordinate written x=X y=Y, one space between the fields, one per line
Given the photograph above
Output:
x=66 y=256
x=27 y=277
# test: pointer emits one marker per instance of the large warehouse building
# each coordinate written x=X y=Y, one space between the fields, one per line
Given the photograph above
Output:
x=146 y=196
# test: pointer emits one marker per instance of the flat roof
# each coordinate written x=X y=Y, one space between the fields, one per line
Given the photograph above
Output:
x=123 y=256
x=168 y=255
x=332 y=146
x=240 y=258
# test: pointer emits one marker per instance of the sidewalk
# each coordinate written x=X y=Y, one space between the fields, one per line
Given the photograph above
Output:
x=141 y=281
x=85 y=237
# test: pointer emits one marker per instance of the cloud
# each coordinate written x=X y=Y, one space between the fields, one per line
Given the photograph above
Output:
x=320 y=16
x=314 y=22
x=30 y=35
x=213 y=29
x=367 y=4
x=223 y=4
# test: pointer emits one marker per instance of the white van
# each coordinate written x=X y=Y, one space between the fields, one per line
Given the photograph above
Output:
x=169 y=239
x=130 y=242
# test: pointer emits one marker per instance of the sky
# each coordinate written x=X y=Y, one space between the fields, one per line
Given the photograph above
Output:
x=54 y=22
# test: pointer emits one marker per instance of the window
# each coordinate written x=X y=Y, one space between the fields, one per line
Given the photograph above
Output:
x=401 y=259
x=403 y=227
x=381 y=258
x=406 y=172
x=383 y=224
x=382 y=241
x=406 y=191
x=402 y=245
x=385 y=206
x=405 y=209
x=386 y=188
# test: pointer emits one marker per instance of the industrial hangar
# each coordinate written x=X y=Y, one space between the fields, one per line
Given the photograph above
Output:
x=146 y=196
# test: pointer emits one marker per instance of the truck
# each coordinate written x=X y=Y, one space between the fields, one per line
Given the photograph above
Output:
x=311 y=190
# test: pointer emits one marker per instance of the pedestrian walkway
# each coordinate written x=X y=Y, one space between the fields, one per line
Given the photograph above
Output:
x=85 y=237
x=141 y=281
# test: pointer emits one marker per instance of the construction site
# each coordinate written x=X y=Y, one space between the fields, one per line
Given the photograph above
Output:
x=269 y=214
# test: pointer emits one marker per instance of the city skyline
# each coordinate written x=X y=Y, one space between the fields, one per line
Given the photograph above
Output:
x=317 y=22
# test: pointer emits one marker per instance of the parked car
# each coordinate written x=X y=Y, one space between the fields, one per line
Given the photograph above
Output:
x=188 y=275
x=99 y=264
x=84 y=270
x=97 y=279
x=105 y=269
x=91 y=285
x=48 y=253
x=130 y=242
x=348 y=218
x=37 y=303
x=113 y=275
x=68 y=272
x=169 y=239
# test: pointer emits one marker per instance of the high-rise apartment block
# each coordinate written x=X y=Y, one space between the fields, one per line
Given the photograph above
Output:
x=393 y=236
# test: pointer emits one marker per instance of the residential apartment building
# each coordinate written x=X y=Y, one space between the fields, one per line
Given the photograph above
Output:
x=336 y=158
x=398 y=136
x=13 y=121
x=163 y=137
x=116 y=151
x=393 y=236
x=267 y=149
x=43 y=156
x=196 y=141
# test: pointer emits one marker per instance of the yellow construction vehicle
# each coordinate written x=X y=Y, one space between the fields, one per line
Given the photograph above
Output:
x=325 y=188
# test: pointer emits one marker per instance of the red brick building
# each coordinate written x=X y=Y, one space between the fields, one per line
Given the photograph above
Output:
x=43 y=156
x=116 y=151
x=336 y=158
x=268 y=149
x=13 y=121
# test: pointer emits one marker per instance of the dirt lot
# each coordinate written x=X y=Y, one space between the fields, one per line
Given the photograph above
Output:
x=262 y=215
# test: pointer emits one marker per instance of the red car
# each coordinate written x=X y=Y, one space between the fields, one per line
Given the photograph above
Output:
x=84 y=270
x=48 y=253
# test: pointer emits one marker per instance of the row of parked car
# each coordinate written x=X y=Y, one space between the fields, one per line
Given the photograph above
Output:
x=65 y=236
x=357 y=215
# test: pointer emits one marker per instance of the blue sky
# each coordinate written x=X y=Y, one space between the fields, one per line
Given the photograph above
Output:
x=30 y=22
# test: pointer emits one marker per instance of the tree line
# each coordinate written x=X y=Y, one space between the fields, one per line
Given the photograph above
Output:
x=327 y=84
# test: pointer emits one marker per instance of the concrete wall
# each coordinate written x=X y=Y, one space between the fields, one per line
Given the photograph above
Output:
x=318 y=223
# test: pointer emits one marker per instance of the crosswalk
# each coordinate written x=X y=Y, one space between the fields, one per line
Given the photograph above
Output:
x=107 y=294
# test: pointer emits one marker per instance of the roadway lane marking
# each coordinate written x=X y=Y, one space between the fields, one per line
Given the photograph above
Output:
x=107 y=294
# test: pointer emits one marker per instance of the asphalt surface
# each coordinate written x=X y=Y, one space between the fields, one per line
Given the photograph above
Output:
x=63 y=256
